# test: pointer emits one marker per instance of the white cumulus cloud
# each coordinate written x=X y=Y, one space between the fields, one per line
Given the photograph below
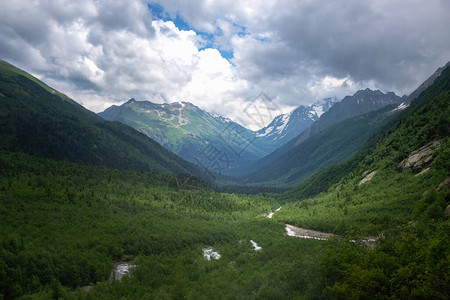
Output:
x=103 y=52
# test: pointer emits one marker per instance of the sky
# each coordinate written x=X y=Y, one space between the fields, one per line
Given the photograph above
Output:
x=219 y=55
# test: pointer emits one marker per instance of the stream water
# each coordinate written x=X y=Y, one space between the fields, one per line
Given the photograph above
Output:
x=307 y=233
x=302 y=232
x=121 y=269
x=255 y=245
x=209 y=253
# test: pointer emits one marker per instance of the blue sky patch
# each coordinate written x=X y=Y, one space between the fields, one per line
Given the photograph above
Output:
x=159 y=14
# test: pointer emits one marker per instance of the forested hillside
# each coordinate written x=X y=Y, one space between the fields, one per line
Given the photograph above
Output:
x=63 y=226
x=397 y=194
x=322 y=180
x=38 y=120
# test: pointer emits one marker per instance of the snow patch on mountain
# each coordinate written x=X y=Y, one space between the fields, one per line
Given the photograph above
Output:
x=402 y=106
x=219 y=117
x=276 y=126
x=284 y=120
x=291 y=124
x=266 y=132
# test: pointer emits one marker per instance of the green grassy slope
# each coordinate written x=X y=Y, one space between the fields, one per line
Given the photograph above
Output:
x=37 y=120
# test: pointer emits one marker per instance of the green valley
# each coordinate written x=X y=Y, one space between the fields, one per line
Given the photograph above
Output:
x=65 y=224
x=208 y=150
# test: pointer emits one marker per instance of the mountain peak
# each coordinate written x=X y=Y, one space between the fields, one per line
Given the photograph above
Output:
x=131 y=101
x=322 y=106
x=370 y=93
x=286 y=126
x=367 y=91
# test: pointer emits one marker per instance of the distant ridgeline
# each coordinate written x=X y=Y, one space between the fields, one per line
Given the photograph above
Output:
x=187 y=130
x=337 y=135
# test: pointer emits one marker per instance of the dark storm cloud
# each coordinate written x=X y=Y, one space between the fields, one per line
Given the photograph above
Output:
x=369 y=42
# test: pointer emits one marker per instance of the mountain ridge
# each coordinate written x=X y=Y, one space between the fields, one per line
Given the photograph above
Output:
x=330 y=146
x=40 y=121
x=285 y=127
x=187 y=130
x=349 y=106
x=432 y=87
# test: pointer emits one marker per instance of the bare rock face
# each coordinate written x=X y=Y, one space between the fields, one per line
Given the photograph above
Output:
x=367 y=177
x=447 y=210
x=444 y=183
x=420 y=159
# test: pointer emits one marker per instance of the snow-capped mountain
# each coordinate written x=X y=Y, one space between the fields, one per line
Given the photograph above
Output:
x=192 y=133
x=338 y=133
x=362 y=102
x=285 y=127
x=186 y=129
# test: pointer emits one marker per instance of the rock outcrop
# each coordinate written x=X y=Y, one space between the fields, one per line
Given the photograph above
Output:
x=367 y=177
x=444 y=183
x=447 y=210
x=420 y=159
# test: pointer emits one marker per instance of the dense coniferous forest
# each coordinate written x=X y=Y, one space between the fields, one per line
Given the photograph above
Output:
x=66 y=222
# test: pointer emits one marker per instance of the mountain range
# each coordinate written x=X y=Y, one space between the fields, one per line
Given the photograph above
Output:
x=336 y=136
x=306 y=140
x=343 y=129
x=269 y=156
x=328 y=147
x=187 y=130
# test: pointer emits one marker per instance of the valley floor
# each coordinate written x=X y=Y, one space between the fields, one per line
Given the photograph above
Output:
x=63 y=226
